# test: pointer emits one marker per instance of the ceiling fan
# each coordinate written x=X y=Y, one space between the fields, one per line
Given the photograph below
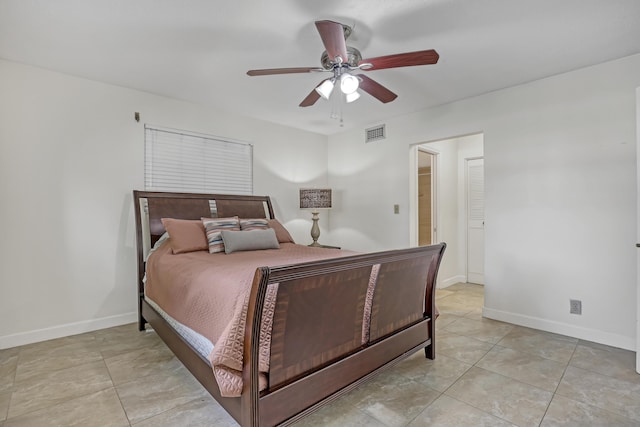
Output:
x=343 y=60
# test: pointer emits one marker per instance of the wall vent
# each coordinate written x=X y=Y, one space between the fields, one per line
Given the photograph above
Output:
x=375 y=133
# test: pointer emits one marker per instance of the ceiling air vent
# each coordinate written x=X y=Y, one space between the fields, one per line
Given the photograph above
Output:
x=374 y=134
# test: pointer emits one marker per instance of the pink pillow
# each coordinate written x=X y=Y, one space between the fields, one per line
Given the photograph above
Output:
x=282 y=234
x=185 y=235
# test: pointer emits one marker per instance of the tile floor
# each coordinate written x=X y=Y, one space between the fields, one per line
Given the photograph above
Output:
x=486 y=373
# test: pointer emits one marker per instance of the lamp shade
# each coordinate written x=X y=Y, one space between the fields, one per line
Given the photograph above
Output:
x=348 y=83
x=325 y=89
x=350 y=97
x=315 y=198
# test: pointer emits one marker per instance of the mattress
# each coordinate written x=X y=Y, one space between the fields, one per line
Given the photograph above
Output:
x=199 y=343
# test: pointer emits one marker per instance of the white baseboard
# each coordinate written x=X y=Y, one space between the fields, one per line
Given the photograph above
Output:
x=451 y=281
x=594 y=335
x=66 y=330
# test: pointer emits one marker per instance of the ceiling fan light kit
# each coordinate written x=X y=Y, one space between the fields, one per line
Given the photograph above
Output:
x=348 y=83
x=325 y=88
x=350 y=97
x=348 y=86
x=342 y=60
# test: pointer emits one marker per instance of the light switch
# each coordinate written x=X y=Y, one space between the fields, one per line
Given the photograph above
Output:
x=396 y=209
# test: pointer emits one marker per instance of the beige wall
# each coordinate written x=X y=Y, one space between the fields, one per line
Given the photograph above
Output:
x=70 y=155
x=560 y=162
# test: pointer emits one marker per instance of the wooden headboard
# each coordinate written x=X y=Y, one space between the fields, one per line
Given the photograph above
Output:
x=152 y=206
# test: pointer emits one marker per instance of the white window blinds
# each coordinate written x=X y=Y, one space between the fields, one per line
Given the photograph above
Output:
x=188 y=162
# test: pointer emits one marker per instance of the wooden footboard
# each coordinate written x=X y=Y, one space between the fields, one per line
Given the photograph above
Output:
x=319 y=348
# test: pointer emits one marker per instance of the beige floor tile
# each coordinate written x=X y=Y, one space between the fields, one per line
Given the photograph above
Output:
x=445 y=319
x=437 y=374
x=7 y=353
x=117 y=331
x=566 y=412
x=487 y=330
x=340 y=413
x=459 y=347
x=202 y=412
x=468 y=288
x=359 y=396
x=469 y=298
x=5 y=398
x=63 y=353
x=441 y=293
x=8 y=366
x=449 y=412
x=50 y=345
x=544 y=344
x=612 y=394
x=393 y=399
x=81 y=341
x=52 y=384
x=99 y=409
x=614 y=362
x=142 y=362
x=476 y=315
x=505 y=398
x=460 y=305
x=123 y=339
x=52 y=388
x=526 y=367
x=151 y=395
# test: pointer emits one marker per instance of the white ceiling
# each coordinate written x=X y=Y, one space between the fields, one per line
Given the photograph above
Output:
x=200 y=50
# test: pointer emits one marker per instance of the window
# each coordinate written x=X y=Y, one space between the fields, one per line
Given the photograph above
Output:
x=188 y=162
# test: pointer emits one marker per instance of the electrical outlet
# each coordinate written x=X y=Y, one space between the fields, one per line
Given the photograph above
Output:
x=575 y=306
x=396 y=209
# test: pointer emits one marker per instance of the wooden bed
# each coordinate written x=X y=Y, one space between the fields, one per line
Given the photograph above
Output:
x=311 y=363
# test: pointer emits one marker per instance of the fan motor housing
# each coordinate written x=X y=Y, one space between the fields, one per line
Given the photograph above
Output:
x=353 y=58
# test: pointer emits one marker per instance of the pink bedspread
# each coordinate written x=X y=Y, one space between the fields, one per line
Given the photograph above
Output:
x=209 y=293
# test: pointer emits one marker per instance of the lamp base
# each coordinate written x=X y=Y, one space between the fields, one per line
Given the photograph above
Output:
x=315 y=229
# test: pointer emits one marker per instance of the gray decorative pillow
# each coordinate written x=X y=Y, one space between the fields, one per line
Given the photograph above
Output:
x=252 y=240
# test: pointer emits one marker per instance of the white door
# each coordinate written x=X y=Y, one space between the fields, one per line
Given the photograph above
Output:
x=475 y=220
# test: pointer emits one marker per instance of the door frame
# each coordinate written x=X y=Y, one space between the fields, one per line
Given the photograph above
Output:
x=638 y=230
x=413 y=193
x=433 y=194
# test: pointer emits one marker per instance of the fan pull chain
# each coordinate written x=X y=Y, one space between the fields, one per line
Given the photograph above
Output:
x=337 y=99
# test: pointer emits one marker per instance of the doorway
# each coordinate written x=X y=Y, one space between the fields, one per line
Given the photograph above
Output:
x=446 y=205
x=426 y=198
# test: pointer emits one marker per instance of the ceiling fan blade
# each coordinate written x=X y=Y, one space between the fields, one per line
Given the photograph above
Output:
x=312 y=97
x=376 y=90
x=409 y=59
x=332 y=34
x=270 y=71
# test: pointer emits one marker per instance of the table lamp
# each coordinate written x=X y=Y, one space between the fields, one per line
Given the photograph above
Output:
x=314 y=199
